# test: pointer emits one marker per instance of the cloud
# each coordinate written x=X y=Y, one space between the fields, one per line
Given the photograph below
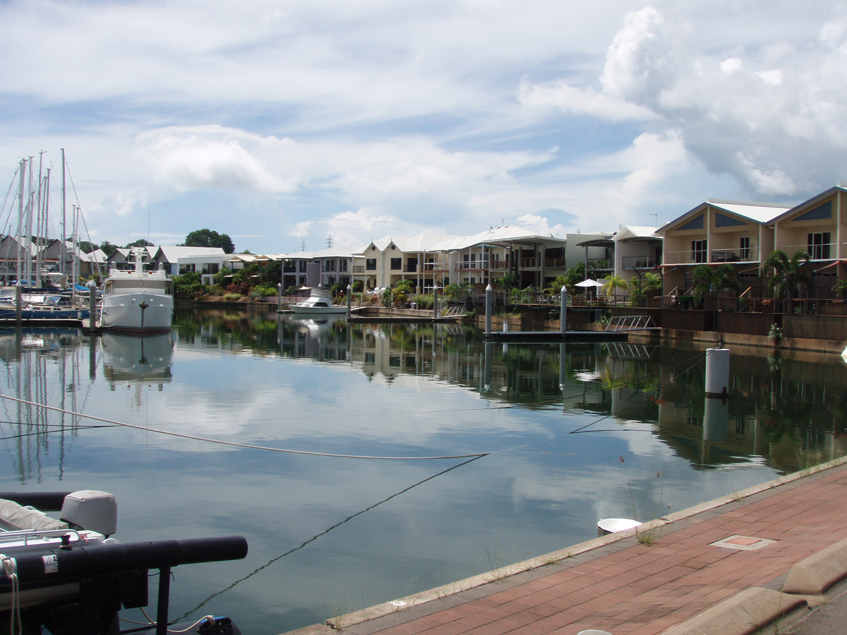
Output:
x=541 y=226
x=213 y=156
x=301 y=229
x=578 y=101
x=767 y=117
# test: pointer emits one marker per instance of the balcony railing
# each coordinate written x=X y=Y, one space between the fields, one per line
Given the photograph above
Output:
x=639 y=262
x=555 y=262
x=358 y=269
x=473 y=265
x=825 y=251
x=711 y=256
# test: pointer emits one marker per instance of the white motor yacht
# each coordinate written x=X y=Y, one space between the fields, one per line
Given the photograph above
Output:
x=318 y=302
x=137 y=301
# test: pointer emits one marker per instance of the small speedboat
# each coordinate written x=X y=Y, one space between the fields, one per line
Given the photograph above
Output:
x=67 y=575
x=318 y=302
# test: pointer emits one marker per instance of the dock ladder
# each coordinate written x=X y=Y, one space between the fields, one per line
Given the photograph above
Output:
x=630 y=323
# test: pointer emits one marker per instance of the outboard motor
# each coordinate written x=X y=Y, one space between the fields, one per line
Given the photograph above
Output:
x=91 y=509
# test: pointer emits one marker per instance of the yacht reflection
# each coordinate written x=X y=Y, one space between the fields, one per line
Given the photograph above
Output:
x=322 y=338
x=137 y=359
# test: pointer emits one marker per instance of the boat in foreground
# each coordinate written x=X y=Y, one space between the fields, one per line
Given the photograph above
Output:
x=69 y=576
x=319 y=301
x=137 y=301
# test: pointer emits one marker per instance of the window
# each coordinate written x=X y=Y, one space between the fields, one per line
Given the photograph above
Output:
x=342 y=265
x=396 y=264
x=745 y=247
x=818 y=244
x=370 y=264
x=303 y=265
x=699 y=251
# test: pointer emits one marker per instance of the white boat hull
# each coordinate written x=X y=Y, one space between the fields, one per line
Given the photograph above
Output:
x=137 y=312
x=314 y=310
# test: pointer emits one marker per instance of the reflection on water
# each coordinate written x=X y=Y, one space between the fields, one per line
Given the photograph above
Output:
x=330 y=535
x=137 y=359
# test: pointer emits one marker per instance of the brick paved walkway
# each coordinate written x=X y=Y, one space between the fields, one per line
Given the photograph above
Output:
x=629 y=588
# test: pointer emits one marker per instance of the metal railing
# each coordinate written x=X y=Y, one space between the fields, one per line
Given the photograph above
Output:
x=639 y=262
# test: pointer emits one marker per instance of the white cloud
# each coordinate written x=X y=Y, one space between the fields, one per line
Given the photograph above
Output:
x=732 y=65
x=301 y=229
x=578 y=101
x=429 y=113
x=541 y=226
x=212 y=156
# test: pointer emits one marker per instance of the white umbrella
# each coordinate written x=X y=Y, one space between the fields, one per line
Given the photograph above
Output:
x=589 y=283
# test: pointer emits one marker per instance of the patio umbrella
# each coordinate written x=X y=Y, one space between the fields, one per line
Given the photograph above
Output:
x=589 y=283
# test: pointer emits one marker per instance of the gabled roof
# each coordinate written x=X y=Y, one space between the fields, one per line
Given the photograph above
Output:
x=172 y=253
x=815 y=199
x=763 y=213
x=504 y=234
x=636 y=232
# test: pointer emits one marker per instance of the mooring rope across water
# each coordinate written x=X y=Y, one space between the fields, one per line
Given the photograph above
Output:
x=246 y=446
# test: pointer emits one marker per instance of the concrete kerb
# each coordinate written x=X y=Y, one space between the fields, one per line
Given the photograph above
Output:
x=741 y=614
x=817 y=573
x=417 y=599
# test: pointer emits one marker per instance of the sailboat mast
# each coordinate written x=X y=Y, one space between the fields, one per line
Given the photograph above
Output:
x=64 y=235
x=20 y=217
x=39 y=216
x=45 y=220
x=28 y=229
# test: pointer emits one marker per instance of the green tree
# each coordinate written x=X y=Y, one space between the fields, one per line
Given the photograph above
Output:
x=708 y=280
x=187 y=285
x=614 y=282
x=652 y=284
x=786 y=274
x=108 y=248
x=208 y=238
x=141 y=242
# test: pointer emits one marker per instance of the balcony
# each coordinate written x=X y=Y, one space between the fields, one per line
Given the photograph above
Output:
x=555 y=262
x=823 y=251
x=473 y=265
x=358 y=269
x=639 y=262
x=713 y=256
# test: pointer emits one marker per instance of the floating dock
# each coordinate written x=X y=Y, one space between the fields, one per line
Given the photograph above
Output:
x=557 y=336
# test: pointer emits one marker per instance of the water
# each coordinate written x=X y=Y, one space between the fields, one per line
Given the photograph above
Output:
x=573 y=435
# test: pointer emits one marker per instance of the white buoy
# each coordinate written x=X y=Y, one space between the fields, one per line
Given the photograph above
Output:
x=717 y=372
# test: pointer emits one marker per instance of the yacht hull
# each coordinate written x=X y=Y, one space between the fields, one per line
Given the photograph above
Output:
x=137 y=312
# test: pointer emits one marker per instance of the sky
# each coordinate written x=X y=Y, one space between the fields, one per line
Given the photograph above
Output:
x=287 y=123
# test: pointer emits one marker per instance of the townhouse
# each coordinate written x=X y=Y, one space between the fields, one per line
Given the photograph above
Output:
x=717 y=232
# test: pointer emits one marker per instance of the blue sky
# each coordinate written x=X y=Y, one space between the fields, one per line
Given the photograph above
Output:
x=281 y=123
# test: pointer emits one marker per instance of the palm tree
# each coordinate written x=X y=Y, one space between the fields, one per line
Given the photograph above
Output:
x=786 y=274
x=652 y=284
x=708 y=280
x=612 y=283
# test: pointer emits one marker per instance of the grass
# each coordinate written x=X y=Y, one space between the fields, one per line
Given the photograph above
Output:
x=648 y=537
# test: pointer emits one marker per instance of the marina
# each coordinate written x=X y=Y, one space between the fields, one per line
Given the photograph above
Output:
x=339 y=438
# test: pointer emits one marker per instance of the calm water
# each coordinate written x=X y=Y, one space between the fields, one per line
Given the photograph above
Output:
x=573 y=435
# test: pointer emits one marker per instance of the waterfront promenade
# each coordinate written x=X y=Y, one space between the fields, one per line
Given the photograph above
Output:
x=763 y=555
